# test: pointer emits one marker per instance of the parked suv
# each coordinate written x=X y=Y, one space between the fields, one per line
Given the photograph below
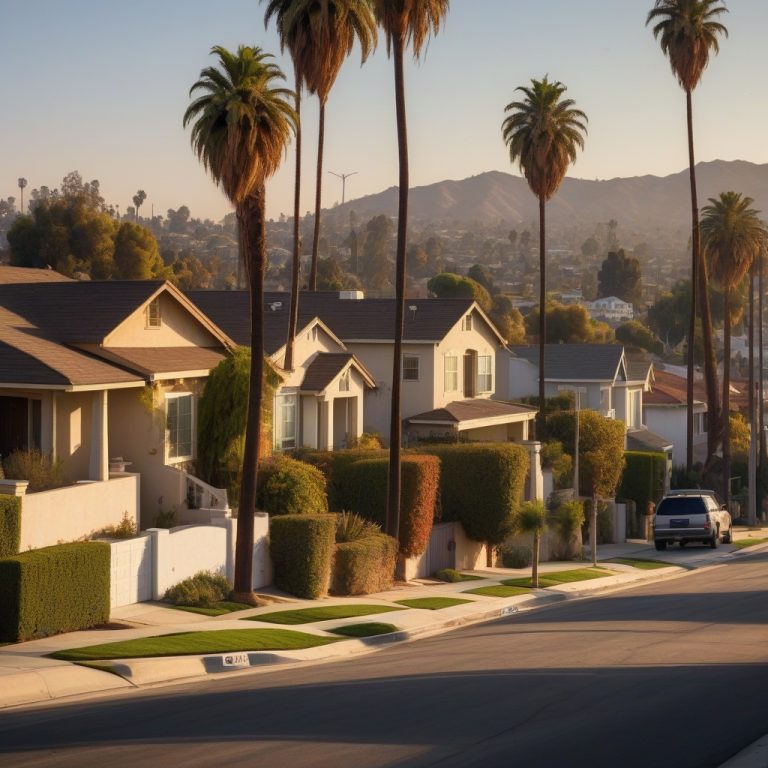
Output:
x=691 y=516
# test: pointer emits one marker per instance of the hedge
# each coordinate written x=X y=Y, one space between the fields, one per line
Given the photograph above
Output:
x=290 y=487
x=364 y=566
x=365 y=484
x=643 y=478
x=481 y=485
x=56 y=589
x=10 y=525
x=302 y=547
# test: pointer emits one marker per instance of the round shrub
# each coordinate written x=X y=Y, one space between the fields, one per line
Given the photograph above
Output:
x=290 y=487
x=201 y=590
x=515 y=556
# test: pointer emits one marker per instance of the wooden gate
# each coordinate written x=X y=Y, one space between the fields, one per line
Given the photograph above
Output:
x=441 y=551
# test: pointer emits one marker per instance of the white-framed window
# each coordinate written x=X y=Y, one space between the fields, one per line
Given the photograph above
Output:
x=484 y=373
x=154 y=319
x=285 y=422
x=410 y=368
x=179 y=419
x=466 y=323
x=451 y=376
x=344 y=381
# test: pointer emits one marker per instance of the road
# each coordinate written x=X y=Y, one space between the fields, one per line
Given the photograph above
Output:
x=669 y=674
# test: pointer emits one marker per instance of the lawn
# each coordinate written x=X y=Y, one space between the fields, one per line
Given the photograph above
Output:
x=453 y=576
x=498 y=590
x=321 y=613
x=432 y=603
x=214 y=609
x=192 y=643
x=742 y=543
x=365 y=630
x=556 y=578
x=643 y=565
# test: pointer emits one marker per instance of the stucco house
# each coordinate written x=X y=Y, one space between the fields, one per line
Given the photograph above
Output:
x=611 y=309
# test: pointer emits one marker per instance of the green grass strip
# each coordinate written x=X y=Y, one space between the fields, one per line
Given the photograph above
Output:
x=453 y=576
x=321 y=613
x=556 y=578
x=643 y=565
x=191 y=643
x=498 y=590
x=215 y=609
x=365 y=630
x=743 y=543
x=432 y=603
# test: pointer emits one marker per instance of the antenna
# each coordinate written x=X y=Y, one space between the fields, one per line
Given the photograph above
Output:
x=343 y=177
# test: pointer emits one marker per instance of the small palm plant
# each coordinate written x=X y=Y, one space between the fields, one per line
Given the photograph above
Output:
x=532 y=518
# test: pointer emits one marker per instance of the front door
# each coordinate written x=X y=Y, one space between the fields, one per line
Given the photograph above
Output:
x=14 y=424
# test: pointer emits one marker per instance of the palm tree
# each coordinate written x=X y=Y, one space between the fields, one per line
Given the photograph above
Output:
x=402 y=21
x=688 y=31
x=138 y=199
x=543 y=133
x=241 y=123
x=732 y=236
x=532 y=518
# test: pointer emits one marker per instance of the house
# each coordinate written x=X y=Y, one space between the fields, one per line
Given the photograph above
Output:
x=611 y=309
x=449 y=359
x=106 y=376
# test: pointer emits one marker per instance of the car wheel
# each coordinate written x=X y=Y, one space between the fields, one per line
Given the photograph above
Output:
x=715 y=540
x=728 y=539
x=682 y=544
x=660 y=545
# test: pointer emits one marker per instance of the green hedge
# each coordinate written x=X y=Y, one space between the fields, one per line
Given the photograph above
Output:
x=364 y=566
x=10 y=525
x=290 y=487
x=643 y=481
x=365 y=492
x=55 y=589
x=481 y=485
x=302 y=547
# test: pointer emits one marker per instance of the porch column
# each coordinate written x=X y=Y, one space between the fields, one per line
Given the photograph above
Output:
x=326 y=422
x=99 y=465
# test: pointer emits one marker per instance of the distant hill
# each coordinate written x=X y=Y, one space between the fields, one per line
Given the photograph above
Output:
x=640 y=203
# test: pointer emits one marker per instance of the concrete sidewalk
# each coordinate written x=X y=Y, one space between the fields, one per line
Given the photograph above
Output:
x=27 y=676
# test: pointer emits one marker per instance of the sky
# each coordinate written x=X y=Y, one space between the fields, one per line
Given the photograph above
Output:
x=101 y=87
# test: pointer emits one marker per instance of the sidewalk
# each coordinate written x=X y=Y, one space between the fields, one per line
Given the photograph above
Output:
x=28 y=677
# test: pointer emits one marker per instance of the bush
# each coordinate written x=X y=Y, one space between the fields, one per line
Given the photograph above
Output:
x=10 y=525
x=125 y=529
x=515 y=556
x=555 y=458
x=567 y=520
x=451 y=575
x=643 y=478
x=604 y=521
x=201 y=590
x=351 y=527
x=290 y=487
x=364 y=566
x=36 y=467
x=55 y=589
x=301 y=547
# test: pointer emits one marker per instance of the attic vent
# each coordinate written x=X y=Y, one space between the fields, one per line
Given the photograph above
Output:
x=275 y=305
x=413 y=309
x=153 y=314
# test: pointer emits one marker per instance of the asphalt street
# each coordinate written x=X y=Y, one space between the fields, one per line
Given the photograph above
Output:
x=673 y=673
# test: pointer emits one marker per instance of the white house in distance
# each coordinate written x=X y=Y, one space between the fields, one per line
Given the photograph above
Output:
x=611 y=309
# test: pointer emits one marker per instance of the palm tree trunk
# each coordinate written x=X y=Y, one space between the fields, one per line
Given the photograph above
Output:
x=250 y=217
x=318 y=197
x=542 y=312
x=694 y=283
x=727 y=398
x=751 y=480
x=293 y=317
x=715 y=431
x=593 y=531
x=395 y=427
x=760 y=399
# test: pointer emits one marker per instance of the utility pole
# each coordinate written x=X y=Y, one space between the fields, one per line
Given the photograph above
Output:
x=343 y=177
x=22 y=184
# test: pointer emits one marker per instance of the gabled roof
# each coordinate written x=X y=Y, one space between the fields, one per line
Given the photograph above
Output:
x=645 y=440
x=326 y=366
x=671 y=389
x=467 y=414
x=639 y=369
x=577 y=362
x=16 y=275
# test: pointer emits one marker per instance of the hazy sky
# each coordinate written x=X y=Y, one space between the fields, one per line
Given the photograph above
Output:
x=100 y=87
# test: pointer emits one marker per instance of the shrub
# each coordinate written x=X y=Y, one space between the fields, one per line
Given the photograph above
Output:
x=165 y=518
x=290 y=487
x=55 y=589
x=604 y=521
x=364 y=566
x=351 y=527
x=555 y=458
x=125 y=529
x=10 y=525
x=643 y=478
x=36 y=467
x=515 y=555
x=200 y=590
x=301 y=547
x=567 y=520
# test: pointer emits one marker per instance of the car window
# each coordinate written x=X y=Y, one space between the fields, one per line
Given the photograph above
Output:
x=681 y=505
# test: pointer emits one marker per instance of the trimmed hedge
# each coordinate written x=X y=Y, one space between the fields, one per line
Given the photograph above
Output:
x=10 y=525
x=643 y=478
x=481 y=485
x=365 y=484
x=302 y=547
x=364 y=566
x=290 y=487
x=55 y=589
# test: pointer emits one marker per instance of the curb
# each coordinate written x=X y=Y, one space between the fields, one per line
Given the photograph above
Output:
x=754 y=756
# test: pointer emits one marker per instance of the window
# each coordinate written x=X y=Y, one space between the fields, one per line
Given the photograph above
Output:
x=467 y=324
x=451 y=377
x=410 y=368
x=484 y=374
x=179 y=425
x=153 y=314
x=344 y=382
x=285 y=423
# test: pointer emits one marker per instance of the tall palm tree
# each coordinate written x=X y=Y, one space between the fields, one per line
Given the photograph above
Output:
x=241 y=123
x=732 y=236
x=543 y=133
x=402 y=21
x=688 y=32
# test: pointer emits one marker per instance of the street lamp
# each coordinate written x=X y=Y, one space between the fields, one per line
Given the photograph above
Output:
x=343 y=177
x=578 y=392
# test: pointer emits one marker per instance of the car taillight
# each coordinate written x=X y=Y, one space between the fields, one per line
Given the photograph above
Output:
x=707 y=524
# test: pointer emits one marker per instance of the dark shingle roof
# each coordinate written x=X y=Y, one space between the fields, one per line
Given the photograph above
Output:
x=166 y=359
x=470 y=410
x=323 y=370
x=645 y=440
x=15 y=275
x=575 y=362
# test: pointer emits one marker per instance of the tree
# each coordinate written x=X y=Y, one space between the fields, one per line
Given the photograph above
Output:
x=241 y=123
x=634 y=334
x=508 y=320
x=566 y=324
x=448 y=285
x=733 y=236
x=532 y=519
x=688 y=32
x=377 y=268
x=402 y=21
x=482 y=275
x=543 y=133
x=668 y=315
x=620 y=276
x=331 y=277
x=138 y=200
x=137 y=256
